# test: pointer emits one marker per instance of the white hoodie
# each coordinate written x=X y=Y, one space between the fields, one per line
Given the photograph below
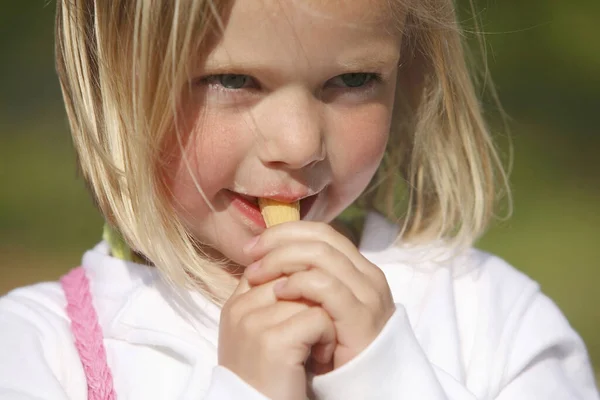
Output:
x=469 y=327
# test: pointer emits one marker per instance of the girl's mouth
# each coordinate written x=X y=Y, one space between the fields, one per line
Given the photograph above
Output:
x=248 y=206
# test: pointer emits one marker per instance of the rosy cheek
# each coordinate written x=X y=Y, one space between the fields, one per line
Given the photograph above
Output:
x=365 y=139
x=182 y=169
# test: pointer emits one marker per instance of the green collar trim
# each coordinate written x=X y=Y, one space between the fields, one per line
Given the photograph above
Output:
x=118 y=247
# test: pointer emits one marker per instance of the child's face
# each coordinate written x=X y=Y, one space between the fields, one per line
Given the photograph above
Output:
x=294 y=102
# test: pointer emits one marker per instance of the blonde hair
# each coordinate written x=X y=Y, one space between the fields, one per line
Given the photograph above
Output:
x=441 y=158
x=122 y=68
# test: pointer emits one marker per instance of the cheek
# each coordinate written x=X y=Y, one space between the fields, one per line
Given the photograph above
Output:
x=203 y=158
x=355 y=153
x=362 y=140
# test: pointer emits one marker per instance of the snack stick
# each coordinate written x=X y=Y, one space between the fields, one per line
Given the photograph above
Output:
x=275 y=212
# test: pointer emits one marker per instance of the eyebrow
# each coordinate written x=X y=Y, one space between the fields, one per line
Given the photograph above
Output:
x=370 y=60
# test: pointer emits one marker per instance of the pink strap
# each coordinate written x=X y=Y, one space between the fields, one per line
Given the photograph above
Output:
x=88 y=335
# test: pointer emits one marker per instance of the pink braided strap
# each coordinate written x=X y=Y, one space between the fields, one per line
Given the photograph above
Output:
x=88 y=335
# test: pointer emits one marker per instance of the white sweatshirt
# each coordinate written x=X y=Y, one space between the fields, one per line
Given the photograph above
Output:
x=466 y=329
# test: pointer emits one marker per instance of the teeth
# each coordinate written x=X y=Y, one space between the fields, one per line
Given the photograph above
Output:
x=275 y=212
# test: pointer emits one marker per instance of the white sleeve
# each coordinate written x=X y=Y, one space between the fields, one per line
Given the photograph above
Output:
x=37 y=359
x=225 y=385
x=547 y=361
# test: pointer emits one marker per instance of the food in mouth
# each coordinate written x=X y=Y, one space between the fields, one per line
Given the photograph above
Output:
x=275 y=212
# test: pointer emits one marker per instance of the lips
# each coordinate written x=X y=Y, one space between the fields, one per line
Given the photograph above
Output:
x=251 y=201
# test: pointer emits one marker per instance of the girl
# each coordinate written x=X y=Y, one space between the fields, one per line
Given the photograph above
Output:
x=184 y=113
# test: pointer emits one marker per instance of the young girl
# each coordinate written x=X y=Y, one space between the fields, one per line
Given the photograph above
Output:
x=184 y=113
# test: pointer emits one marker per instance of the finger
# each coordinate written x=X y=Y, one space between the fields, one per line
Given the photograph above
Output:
x=306 y=329
x=316 y=367
x=324 y=289
x=323 y=353
x=248 y=300
x=269 y=316
x=242 y=287
x=296 y=257
x=306 y=231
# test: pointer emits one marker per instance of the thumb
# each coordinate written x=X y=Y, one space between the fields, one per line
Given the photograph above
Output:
x=242 y=287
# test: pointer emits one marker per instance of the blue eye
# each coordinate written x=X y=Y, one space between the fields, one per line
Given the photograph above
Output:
x=354 y=80
x=233 y=81
x=229 y=81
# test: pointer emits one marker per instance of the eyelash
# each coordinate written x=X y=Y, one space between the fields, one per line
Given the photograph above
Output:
x=372 y=79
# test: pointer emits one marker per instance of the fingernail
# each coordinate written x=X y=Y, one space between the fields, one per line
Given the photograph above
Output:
x=250 y=245
x=253 y=267
x=280 y=285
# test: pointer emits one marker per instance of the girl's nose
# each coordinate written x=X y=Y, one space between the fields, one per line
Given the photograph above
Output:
x=291 y=129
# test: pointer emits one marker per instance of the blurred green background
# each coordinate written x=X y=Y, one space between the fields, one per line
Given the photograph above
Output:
x=544 y=56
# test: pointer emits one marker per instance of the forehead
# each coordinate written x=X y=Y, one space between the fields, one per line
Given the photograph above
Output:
x=358 y=14
x=365 y=14
x=300 y=32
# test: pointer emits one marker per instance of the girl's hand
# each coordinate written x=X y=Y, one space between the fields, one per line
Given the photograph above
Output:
x=324 y=267
x=266 y=341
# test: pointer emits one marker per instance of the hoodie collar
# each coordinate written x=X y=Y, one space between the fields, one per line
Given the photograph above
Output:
x=137 y=305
